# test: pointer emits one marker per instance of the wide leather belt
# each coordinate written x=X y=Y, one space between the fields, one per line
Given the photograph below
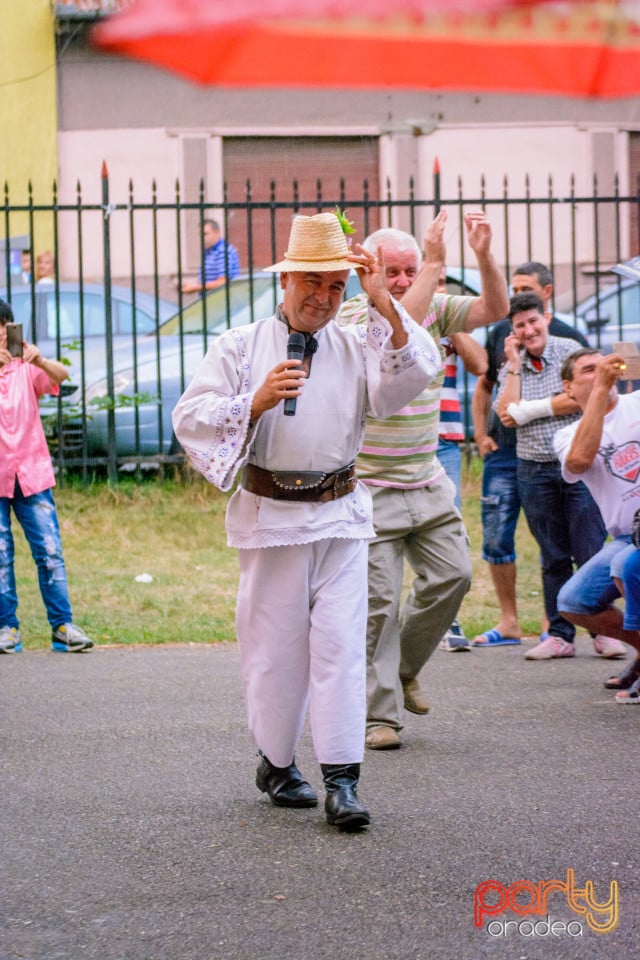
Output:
x=306 y=486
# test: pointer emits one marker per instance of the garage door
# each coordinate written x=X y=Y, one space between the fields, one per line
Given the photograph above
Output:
x=316 y=170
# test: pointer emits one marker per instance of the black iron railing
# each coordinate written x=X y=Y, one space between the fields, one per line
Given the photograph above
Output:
x=120 y=263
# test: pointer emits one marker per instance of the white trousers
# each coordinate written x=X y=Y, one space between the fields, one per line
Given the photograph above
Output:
x=301 y=621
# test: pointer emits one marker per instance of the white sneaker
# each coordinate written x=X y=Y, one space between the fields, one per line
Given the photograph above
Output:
x=551 y=648
x=454 y=639
x=609 y=647
x=10 y=641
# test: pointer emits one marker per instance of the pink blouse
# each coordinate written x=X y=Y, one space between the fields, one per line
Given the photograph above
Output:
x=23 y=448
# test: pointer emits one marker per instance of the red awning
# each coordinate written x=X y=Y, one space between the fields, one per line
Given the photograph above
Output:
x=588 y=49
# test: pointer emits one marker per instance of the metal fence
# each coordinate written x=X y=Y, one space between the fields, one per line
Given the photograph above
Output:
x=114 y=307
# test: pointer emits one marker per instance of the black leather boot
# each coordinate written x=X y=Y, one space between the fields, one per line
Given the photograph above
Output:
x=285 y=785
x=342 y=807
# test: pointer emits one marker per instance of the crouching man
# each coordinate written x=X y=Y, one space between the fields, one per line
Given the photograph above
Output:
x=601 y=449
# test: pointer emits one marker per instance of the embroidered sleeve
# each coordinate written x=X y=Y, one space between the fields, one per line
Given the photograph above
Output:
x=212 y=419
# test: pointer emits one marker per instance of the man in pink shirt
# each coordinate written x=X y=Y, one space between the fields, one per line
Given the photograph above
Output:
x=26 y=479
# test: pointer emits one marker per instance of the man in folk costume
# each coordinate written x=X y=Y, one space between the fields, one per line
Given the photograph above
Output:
x=299 y=517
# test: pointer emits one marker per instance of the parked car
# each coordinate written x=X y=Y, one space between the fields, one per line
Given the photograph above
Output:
x=151 y=372
x=612 y=314
x=59 y=319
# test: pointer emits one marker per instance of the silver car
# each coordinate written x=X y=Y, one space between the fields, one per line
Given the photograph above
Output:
x=69 y=321
x=151 y=372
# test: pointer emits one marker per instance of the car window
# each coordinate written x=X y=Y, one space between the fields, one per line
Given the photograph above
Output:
x=246 y=304
x=69 y=317
x=630 y=307
x=144 y=322
x=242 y=312
x=616 y=316
x=353 y=288
x=21 y=306
x=458 y=288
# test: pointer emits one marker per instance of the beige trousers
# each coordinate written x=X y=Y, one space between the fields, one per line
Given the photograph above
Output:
x=424 y=526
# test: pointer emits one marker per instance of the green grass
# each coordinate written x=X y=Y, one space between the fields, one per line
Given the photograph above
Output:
x=174 y=531
x=480 y=610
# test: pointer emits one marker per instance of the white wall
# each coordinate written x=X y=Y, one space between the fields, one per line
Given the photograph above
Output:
x=466 y=152
x=143 y=156
x=516 y=152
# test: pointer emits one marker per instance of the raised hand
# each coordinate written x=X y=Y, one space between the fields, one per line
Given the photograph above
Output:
x=610 y=369
x=434 y=248
x=478 y=232
x=371 y=273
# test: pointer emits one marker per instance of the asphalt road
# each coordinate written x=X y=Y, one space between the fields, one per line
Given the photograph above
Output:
x=132 y=828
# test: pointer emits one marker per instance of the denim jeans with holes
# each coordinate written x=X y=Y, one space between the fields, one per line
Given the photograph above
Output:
x=500 y=505
x=37 y=517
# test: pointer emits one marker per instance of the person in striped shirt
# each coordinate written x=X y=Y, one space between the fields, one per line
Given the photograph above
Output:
x=414 y=513
x=221 y=261
x=451 y=430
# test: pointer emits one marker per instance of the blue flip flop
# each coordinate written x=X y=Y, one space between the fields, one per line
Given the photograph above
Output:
x=495 y=639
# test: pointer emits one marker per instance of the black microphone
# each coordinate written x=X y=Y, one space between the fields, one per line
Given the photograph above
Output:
x=295 y=351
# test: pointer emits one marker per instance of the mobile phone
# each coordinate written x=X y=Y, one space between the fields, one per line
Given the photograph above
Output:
x=14 y=339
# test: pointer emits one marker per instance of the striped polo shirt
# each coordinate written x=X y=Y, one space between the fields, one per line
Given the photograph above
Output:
x=401 y=451
x=220 y=260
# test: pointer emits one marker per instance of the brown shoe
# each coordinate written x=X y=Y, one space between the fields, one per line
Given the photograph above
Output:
x=414 y=697
x=382 y=738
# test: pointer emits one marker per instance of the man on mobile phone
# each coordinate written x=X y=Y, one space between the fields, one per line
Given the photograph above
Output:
x=500 y=503
x=563 y=517
x=26 y=481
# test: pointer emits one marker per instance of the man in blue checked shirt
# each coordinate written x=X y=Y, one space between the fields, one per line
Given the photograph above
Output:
x=220 y=261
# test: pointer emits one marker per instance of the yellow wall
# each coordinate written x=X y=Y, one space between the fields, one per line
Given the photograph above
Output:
x=28 y=128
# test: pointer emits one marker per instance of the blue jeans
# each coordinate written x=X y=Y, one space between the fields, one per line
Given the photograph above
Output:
x=631 y=580
x=500 y=505
x=591 y=589
x=451 y=460
x=37 y=517
x=567 y=526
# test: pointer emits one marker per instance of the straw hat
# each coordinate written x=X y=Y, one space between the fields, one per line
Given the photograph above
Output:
x=315 y=243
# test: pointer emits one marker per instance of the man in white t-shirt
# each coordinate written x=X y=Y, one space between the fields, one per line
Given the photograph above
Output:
x=603 y=450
